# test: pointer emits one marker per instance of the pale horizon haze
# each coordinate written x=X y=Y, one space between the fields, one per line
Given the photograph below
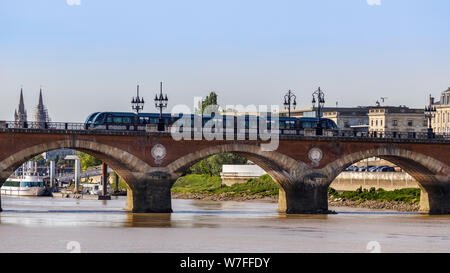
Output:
x=89 y=55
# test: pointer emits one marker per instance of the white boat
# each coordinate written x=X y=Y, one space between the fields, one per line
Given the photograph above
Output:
x=26 y=182
x=28 y=185
x=94 y=189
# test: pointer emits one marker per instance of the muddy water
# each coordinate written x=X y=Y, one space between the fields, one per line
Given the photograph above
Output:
x=63 y=225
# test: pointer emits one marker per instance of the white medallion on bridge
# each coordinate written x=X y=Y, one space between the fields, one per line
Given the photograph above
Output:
x=315 y=155
x=158 y=153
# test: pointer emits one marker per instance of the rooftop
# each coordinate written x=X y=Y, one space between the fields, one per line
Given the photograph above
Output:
x=396 y=109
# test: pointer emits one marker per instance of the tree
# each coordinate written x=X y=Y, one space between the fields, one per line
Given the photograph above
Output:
x=213 y=164
x=39 y=159
x=210 y=100
x=87 y=161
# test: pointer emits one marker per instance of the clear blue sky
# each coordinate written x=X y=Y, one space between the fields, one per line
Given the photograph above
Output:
x=89 y=57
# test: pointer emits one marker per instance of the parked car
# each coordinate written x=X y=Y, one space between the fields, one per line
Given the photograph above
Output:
x=385 y=169
x=352 y=168
x=373 y=168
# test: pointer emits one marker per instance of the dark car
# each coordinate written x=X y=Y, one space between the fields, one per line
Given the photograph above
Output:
x=365 y=168
x=385 y=169
x=352 y=168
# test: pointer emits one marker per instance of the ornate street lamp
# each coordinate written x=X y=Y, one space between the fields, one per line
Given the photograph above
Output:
x=137 y=103
x=161 y=103
x=287 y=102
x=319 y=97
x=430 y=112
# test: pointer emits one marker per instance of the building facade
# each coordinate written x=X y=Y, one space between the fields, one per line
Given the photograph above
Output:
x=348 y=118
x=397 y=121
x=441 y=119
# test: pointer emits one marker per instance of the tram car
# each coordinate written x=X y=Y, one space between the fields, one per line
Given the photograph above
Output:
x=124 y=121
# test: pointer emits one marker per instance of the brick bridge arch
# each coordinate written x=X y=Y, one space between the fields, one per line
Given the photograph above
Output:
x=277 y=165
x=131 y=168
x=121 y=161
x=432 y=175
x=420 y=166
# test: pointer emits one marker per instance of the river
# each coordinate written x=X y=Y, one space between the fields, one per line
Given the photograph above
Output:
x=43 y=224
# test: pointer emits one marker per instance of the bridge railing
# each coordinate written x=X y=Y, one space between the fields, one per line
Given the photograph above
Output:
x=390 y=134
x=42 y=125
x=238 y=134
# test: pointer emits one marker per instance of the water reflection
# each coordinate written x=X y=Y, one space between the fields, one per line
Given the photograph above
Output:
x=303 y=216
x=148 y=220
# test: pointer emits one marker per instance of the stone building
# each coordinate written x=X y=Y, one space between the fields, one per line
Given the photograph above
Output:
x=395 y=120
x=348 y=118
x=40 y=117
x=40 y=112
x=441 y=119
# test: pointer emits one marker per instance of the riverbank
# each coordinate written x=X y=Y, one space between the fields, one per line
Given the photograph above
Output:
x=332 y=202
x=224 y=197
x=203 y=187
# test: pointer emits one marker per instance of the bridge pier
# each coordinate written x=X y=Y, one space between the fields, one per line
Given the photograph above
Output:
x=150 y=196
x=435 y=197
x=304 y=198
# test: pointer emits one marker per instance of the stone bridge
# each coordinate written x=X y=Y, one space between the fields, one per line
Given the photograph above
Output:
x=303 y=167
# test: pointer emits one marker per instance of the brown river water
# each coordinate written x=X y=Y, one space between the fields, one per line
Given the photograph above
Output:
x=43 y=224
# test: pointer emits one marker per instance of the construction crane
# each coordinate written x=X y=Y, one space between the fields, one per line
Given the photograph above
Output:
x=382 y=101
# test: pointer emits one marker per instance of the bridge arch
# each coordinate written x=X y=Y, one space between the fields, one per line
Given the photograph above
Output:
x=122 y=162
x=422 y=167
x=279 y=166
x=432 y=175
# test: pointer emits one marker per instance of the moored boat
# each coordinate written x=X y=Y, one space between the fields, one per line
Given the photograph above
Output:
x=28 y=185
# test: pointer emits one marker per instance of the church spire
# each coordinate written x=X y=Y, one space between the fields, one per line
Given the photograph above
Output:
x=20 y=114
x=41 y=113
x=21 y=104
x=41 y=101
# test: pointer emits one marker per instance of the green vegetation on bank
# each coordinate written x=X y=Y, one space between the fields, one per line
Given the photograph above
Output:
x=88 y=160
x=122 y=184
x=205 y=184
x=404 y=195
x=264 y=186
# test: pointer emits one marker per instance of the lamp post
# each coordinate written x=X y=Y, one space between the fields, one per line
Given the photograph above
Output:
x=137 y=103
x=430 y=112
x=161 y=103
x=319 y=97
x=287 y=101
